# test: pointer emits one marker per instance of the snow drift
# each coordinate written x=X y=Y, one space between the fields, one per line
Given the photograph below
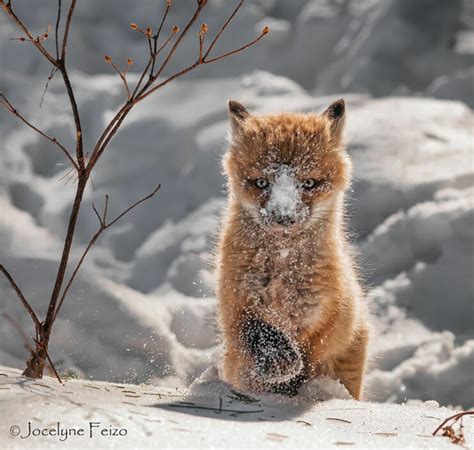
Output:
x=209 y=415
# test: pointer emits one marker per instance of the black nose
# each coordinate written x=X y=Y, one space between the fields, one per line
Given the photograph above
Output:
x=284 y=220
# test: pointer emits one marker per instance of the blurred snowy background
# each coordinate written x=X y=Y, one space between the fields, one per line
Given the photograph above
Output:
x=143 y=308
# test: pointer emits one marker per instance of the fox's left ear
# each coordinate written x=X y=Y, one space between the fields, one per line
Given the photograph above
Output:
x=336 y=114
x=238 y=115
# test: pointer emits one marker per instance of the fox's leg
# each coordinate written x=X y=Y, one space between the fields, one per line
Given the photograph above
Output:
x=277 y=358
x=351 y=366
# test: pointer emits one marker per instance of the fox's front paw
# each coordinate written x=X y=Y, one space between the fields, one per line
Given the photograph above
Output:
x=277 y=358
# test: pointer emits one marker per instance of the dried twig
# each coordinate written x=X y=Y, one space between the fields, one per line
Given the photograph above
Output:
x=122 y=74
x=19 y=330
x=103 y=226
x=4 y=101
x=56 y=31
x=157 y=36
x=457 y=437
x=23 y=336
x=66 y=29
x=264 y=32
x=7 y=7
x=22 y=298
x=338 y=420
x=40 y=344
x=226 y=23
x=51 y=75
x=216 y=410
x=202 y=37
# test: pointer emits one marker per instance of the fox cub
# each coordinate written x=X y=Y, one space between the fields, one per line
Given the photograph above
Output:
x=290 y=304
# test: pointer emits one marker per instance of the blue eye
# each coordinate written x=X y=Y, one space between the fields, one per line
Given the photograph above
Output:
x=261 y=183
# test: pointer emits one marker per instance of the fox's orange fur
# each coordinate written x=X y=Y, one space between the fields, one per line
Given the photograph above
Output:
x=294 y=278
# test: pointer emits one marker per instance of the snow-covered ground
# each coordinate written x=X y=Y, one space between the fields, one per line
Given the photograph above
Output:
x=91 y=414
x=143 y=308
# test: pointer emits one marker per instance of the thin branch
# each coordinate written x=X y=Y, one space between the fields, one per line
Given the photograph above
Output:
x=66 y=29
x=58 y=20
x=103 y=226
x=190 y=23
x=122 y=77
x=15 y=112
x=51 y=75
x=42 y=346
x=98 y=215
x=152 y=59
x=174 y=30
x=150 y=45
x=104 y=217
x=24 y=337
x=76 y=270
x=36 y=42
x=133 y=206
x=22 y=298
x=244 y=47
x=202 y=37
x=165 y=15
x=70 y=92
x=454 y=417
x=60 y=64
x=93 y=158
x=83 y=177
x=75 y=113
x=157 y=36
x=108 y=134
x=218 y=35
x=202 y=59
x=166 y=81
x=145 y=70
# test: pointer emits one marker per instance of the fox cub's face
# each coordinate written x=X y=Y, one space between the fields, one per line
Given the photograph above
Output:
x=287 y=169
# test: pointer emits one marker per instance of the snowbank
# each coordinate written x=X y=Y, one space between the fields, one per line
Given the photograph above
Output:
x=210 y=415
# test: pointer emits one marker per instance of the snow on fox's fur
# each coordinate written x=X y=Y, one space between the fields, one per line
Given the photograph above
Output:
x=290 y=304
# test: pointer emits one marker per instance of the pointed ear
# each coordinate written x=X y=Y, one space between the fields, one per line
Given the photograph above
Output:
x=238 y=115
x=336 y=114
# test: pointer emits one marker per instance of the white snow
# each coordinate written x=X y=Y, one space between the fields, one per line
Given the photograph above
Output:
x=285 y=197
x=208 y=415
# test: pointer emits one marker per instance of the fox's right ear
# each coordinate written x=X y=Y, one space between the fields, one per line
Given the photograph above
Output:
x=238 y=115
x=336 y=114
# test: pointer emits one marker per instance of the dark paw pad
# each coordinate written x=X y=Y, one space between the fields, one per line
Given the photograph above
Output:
x=290 y=388
x=277 y=358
